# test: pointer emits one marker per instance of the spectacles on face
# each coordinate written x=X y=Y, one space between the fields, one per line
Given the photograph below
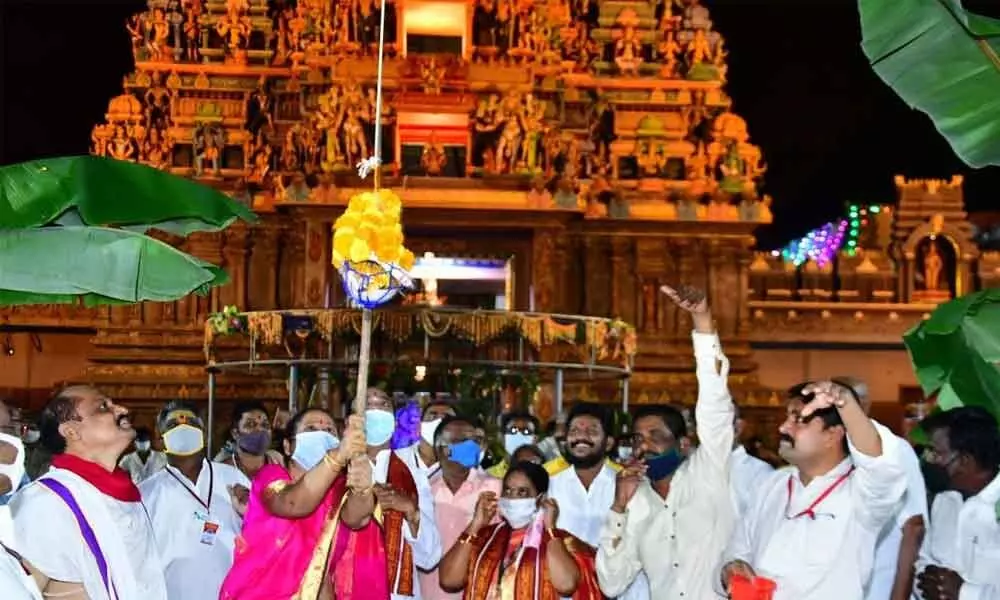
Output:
x=523 y=430
x=658 y=438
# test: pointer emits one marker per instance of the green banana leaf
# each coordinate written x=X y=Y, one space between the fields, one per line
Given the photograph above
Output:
x=956 y=352
x=941 y=60
x=96 y=265
x=92 y=190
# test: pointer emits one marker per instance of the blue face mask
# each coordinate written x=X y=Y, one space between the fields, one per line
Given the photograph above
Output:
x=311 y=446
x=664 y=465
x=465 y=453
x=379 y=426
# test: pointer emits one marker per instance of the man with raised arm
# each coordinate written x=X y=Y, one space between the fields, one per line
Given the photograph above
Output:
x=81 y=528
x=672 y=513
x=812 y=528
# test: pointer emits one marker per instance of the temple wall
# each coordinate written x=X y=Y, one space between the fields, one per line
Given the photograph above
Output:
x=885 y=371
x=62 y=356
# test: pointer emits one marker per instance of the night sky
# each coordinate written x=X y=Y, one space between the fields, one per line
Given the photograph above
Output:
x=830 y=130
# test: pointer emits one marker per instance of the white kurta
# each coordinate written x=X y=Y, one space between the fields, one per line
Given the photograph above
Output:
x=891 y=536
x=426 y=546
x=141 y=471
x=195 y=563
x=582 y=512
x=746 y=473
x=829 y=557
x=411 y=456
x=964 y=536
x=47 y=536
x=678 y=541
x=14 y=582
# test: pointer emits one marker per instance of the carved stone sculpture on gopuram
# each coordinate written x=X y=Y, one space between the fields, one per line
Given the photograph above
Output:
x=617 y=107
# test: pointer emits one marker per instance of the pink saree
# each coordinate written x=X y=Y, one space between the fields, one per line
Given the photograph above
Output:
x=286 y=559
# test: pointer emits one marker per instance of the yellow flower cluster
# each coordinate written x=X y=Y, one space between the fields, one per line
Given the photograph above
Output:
x=370 y=230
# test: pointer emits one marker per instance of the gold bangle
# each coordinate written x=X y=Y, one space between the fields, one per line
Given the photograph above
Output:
x=363 y=492
x=551 y=532
x=333 y=463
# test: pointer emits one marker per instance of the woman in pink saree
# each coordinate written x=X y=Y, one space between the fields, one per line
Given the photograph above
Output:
x=291 y=532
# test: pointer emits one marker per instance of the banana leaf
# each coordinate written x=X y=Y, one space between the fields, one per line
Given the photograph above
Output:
x=956 y=352
x=97 y=191
x=96 y=265
x=941 y=60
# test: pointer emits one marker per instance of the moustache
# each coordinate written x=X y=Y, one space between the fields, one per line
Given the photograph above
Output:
x=786 y=438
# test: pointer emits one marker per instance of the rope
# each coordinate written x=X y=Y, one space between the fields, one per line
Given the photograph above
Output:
x=371 y=164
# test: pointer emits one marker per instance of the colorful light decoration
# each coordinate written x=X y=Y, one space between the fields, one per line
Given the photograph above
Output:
x=821 y=245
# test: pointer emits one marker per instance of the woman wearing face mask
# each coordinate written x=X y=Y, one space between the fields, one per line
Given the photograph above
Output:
x=523 y=557
x=286 y=548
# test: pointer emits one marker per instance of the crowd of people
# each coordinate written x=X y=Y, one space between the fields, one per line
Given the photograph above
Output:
x=315 y=509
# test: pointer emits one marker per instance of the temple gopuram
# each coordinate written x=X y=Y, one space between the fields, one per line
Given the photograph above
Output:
x=588 y=147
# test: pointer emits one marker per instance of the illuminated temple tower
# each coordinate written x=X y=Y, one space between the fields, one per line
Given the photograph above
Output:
x=590 y=144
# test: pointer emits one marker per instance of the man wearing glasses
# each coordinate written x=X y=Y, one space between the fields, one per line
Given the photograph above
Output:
x=81 y=528
x=813 y=530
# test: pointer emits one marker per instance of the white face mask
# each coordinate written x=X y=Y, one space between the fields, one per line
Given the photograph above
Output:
x=518 y=511
x=513 y=441
x=143 y=446
x=184 y=440
x=427 y=429
x=32 y=436
x=14 y=471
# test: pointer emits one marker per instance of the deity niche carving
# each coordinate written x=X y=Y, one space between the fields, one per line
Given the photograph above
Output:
x=936 y=264
x=158 y=35
x=518 y=146
x=337 y=134
x=628 y=46
x=259 y=109
x=432 y=157
x=156 y=150
x=260 y=161
x=235 y=27
x=192 y=31
x=602 y=134
x=123 y=144
x=209 y=140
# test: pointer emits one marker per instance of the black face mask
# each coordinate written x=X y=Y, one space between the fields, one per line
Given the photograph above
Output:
x=935 y=477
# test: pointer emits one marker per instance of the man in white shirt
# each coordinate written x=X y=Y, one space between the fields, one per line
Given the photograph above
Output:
x=399 y=488
x=812 y=528
x=672 y=513
x=960 y=558
x=746 y=473
x=421 y=454
x=586 y=490
x=145 y=461
x=191 y=506
x=899 y=541
x=81 y=528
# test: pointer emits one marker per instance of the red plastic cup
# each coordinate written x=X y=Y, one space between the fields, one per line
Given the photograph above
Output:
x=742 y=588
x=764 y=588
